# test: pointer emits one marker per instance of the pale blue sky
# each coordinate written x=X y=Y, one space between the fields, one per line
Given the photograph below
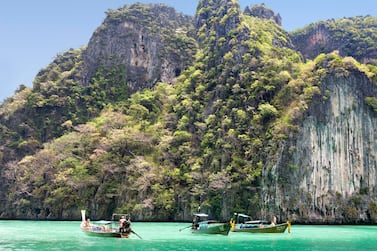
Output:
x=33 y=32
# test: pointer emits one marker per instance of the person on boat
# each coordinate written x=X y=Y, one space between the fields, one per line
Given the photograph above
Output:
x=125 y=225
x=122 y=220
x=195 y=223
x=87 y=223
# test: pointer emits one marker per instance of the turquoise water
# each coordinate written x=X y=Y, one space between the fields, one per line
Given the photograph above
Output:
x=48 y=235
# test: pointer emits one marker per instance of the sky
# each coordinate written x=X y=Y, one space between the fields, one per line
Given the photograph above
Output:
x=34 y=32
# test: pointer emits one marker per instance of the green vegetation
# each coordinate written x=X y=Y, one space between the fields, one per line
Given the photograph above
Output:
x=372 y=102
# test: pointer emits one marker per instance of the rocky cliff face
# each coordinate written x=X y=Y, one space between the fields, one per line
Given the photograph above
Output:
x=354 y=37
x=148 y=44
x=315 y=42
x=327 y=174
x=262 y=11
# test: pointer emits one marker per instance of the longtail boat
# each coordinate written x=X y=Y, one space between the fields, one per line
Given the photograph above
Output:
x=107 y=228
x=243 y=223
x=201 y=225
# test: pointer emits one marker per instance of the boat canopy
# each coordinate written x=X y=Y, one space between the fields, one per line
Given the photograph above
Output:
x=201 y=215
x=257 y=222
x=243 y=215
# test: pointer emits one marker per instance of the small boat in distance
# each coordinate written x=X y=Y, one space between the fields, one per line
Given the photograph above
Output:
x=118 y=227
x=243 y=223
x=201 y=225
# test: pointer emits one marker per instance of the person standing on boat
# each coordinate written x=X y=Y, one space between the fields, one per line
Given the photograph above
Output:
x=87 y=224
x=125 y=225
x=195 y=223
x=122 y=220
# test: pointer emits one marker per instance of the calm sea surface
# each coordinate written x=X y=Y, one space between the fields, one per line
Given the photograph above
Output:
x=49 y=235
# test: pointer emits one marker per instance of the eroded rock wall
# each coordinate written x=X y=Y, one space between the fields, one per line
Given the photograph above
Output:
x=327 y=173
x=145 y=43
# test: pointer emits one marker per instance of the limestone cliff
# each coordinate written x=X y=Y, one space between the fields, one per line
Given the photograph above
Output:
x=327 y=172
x=262 y=11
x=354 y=37
x=148 y=44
